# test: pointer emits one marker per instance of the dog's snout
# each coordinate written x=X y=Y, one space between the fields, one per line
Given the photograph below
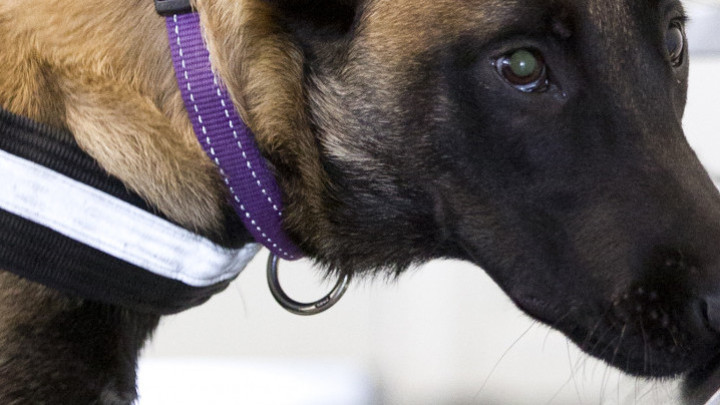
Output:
x=675 y=315
x=689 y=291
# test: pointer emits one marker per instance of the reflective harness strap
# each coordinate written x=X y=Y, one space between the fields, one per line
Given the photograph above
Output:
x=67 y=224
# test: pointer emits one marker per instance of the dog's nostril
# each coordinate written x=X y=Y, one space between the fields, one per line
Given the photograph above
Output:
x=709 y=312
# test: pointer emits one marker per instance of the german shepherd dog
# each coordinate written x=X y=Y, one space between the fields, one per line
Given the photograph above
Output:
x=538 y=139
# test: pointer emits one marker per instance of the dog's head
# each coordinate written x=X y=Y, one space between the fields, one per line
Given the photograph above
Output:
x=539 y=139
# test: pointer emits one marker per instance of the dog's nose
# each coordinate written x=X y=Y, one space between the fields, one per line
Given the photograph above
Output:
x=708 y=311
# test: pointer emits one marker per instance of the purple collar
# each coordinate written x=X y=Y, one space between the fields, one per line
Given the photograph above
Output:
x=226 y=139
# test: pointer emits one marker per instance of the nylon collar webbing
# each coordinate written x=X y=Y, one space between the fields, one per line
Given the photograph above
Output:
x=255 y=194
x=67 y=224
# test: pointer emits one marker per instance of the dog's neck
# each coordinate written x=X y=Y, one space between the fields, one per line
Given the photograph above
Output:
x=106 y=76
x=86 y=87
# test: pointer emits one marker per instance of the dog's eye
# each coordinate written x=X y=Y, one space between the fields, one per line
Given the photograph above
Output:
x=675 y=43
x=524 y=69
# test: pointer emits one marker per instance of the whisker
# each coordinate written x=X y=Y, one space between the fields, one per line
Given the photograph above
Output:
x=649 y=388
x=573 y=370
x=604 y=384
x=646 y=353
x=497 y=363
x=573 y=373
x=594 y=328
x=617 y=347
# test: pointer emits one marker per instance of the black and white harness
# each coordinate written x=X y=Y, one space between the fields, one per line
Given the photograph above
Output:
x=67 y=224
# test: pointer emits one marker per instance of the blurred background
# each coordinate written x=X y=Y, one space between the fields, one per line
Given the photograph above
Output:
x=442 y=334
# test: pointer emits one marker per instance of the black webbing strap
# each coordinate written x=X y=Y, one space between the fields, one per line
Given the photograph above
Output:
x=42 y=255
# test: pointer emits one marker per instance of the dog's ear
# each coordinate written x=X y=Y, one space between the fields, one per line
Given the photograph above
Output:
x=312 y=17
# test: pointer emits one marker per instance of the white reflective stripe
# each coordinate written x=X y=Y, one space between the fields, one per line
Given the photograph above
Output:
x=715 y=400
x=113 y=226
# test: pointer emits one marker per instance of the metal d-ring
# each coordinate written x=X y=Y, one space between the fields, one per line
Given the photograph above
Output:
x=300 y=308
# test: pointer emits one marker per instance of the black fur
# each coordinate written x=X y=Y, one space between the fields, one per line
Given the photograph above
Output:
x=584 y=202
x=71 y=352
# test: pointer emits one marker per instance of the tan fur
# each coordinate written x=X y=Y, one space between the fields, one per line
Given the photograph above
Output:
x=107 y=77
x=263 y=70
x=113 y=86
x=16 y=293
x=395 y=31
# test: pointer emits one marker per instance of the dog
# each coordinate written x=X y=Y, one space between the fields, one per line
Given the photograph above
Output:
x=538 y=139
